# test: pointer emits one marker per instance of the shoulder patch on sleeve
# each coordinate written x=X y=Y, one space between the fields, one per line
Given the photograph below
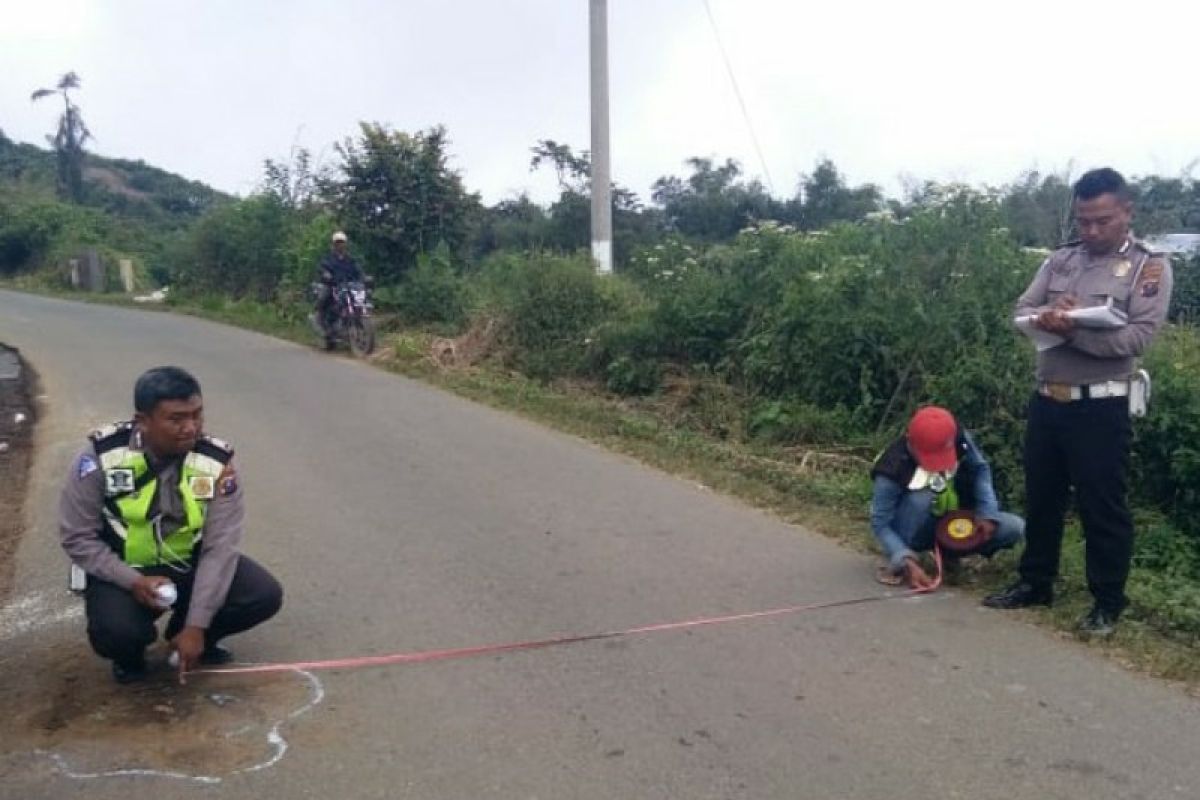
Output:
x=227 y=482
x=1153 y=271
x=86 y=466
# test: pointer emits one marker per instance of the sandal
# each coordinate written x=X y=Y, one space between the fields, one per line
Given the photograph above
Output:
x=884 y=575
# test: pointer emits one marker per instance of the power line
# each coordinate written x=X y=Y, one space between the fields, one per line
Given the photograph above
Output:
x=738 y=93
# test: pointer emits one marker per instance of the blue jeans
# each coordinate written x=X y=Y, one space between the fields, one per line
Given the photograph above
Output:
x=914 y=526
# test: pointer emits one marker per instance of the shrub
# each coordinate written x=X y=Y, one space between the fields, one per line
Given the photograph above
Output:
x=429 y=293
x=1166 y=463
x=550 y=304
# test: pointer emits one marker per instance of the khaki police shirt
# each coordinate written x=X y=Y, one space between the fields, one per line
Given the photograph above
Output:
x=1139 y=283
x=81 y=509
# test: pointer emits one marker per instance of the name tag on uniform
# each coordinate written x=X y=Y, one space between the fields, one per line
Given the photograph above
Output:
x=118 y=481
x=202 y=487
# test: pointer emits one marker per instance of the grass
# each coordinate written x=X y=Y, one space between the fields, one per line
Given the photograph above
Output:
x=832 y=500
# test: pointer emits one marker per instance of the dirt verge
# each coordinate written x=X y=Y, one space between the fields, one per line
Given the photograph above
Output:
x=17 y=417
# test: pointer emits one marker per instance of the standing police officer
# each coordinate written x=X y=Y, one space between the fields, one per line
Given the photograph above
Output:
x=1078 y=428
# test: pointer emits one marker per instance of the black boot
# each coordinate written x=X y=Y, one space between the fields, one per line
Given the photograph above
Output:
x=214 y=656
x=1020 y=595
x=130 y=672
x=1098 y=624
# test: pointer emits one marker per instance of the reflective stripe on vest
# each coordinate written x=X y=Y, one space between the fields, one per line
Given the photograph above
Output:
x=127 y=513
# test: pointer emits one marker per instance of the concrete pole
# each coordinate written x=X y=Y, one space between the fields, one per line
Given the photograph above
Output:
x=126 y=275
x=601 y=173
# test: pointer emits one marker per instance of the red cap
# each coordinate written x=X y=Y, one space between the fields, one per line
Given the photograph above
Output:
x=931 y=436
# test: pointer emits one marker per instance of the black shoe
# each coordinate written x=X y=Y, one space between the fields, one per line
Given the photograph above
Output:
x=129 y=673
x=215 y=656
x=1020 y=595
x=1098 y=624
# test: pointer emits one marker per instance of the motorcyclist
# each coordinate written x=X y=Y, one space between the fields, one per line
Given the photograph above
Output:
x=337 y=268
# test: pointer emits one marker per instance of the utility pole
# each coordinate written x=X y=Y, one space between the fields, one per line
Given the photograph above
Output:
x=601 y=173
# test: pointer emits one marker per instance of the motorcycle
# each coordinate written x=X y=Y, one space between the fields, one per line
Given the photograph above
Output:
x=347 y=318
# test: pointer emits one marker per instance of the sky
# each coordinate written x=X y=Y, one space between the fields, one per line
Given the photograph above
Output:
x=925 y=89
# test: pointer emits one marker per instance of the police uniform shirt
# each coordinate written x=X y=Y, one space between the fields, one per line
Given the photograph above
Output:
x=1135 y=279
x=81 y=509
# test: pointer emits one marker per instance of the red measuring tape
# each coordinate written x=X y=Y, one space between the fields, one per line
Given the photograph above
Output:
x=467 y=652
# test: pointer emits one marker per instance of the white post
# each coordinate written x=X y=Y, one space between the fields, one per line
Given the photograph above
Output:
x=127 y=275
x=601 y=173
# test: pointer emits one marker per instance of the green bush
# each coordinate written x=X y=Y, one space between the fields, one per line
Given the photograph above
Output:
x=41 y=232
x=239 y=249
x=305 y=243
x=1166 y=463
x=550 y=305
x=790 y=421
x=1185 y=297
x=626 y=375
x=431 y=292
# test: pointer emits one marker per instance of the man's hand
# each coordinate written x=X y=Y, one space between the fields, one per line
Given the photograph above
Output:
x=1055 y=319
x=143 y=590
x=917 y=577
x=985 y=526
x=188 y=645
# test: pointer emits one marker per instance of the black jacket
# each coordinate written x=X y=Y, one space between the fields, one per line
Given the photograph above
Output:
x=341 y=270
x=898 y=465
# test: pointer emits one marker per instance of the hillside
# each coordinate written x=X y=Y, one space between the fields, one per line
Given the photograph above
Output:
x=130 y=210
x=127 y=188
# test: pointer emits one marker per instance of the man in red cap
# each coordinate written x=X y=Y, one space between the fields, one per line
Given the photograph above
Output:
x=934 y=469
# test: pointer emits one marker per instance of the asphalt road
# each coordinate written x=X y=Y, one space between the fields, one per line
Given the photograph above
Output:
x=401 y=518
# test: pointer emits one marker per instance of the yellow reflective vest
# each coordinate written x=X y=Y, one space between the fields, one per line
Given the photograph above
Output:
x=130 y=486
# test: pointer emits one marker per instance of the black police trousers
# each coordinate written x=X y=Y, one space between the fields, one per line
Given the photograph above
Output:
x=1082 y=444
x=120 y=628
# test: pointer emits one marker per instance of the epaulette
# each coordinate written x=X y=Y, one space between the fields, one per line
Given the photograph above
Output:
x=214 y=448
x=1148 y=250
x=1072 y=243
x=106 y=436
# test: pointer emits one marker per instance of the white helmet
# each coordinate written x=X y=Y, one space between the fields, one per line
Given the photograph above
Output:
x=339 y=237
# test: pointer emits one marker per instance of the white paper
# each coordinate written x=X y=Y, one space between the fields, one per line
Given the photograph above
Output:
x=1104 y=317
x=1041 y=339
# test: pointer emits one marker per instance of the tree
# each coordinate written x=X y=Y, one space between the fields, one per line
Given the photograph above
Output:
x=238 y=250
x=570 y=218
x=68 y=141
x=1037 y=208
x=294 y=183
x=574 y=172
x=712 y=204
x=825 y=198
x=398 y=198
x=517 y=223
x=1166 y=205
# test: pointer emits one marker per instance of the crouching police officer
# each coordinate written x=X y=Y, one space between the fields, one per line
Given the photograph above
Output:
x=152 y=513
